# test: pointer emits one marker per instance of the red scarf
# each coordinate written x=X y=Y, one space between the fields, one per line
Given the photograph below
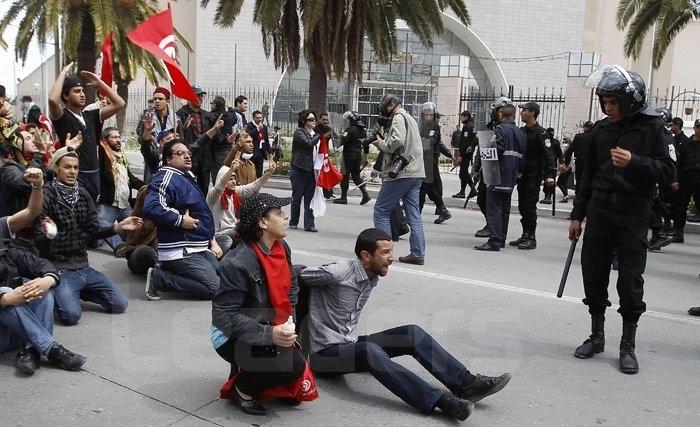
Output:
x=279 y=280
x=236 y=199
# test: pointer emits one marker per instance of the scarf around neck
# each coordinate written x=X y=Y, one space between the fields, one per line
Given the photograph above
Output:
x=279 y=280
x=68 y=193
x=236 y=200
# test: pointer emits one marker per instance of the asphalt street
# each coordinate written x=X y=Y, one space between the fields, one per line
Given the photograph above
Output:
x=496 y=312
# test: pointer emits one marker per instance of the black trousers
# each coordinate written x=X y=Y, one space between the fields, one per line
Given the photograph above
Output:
x=686 y=190
x=578 y=174
x=465 y=177
x=562 y=185
x=353 y=166
x=481 y=197
x=528 y=196
x=619 y=226
x=497 y=215
x=433 y=190
x=373 y=354
x=262 y=367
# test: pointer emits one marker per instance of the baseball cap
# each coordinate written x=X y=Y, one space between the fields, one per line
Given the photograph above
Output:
x=257 y=206
x=61 y=153
x=198 y=90
x=532 y=106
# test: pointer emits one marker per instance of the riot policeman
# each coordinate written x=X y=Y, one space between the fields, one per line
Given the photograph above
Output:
x=432 y=148
x=660 y=206
x=579 y=150
x=353 y=147
x=627 y=157
x=467 y=145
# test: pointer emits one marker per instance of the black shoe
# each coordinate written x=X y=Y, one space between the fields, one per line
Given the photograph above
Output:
x=366 y=198
x=293 y=227
x=248 y=406
x=341 y=201
x=65 y=359
x=487 y=247
x=546 y=201
x=437 y=211
x=484 y=386
x=595 y=342
x=472 y=193
x=412 y=259
x=677 y=236
x=484 y=232
x=528 y=244
x=454 y=406
x=628 y=360
x=660 y=242
x=694 y=311
x=459 y=195
x=28 y=360
x=311 y=229
x=519 y=240
x=444 y=216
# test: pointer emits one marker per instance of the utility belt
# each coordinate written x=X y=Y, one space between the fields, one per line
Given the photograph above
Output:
x=626 y=198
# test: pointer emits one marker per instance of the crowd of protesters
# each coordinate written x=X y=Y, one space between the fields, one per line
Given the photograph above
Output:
x=199 y=225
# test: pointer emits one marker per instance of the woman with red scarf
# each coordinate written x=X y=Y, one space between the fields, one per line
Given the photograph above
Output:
x=256 y=297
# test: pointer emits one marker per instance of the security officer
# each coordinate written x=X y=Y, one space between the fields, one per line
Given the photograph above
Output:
x=627 y=157
x=554 y=147
x=432 y=148
x=467 y=144
x=351 y=140
x=660 y=205
x=539 y=163
x=509 y=144
x=688 y=182
x=579 y=149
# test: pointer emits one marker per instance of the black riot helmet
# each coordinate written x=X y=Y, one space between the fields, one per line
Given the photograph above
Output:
x=627 y=86
x=666 y=115
x=353 y=118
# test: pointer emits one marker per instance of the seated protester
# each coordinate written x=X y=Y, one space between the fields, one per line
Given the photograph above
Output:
x=224 y=200
x=339 y=291
x=257 y=295
x=71 y=208
x=116 y=183
x=140 y=246
x=26 y=310
x=243 y=151
x=185 y=227
x=24 y=154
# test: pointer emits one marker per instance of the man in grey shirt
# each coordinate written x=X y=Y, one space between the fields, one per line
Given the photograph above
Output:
x=339 y=291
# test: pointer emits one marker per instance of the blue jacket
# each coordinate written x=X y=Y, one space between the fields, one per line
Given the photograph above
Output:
x=511 y=143
x=170 y=193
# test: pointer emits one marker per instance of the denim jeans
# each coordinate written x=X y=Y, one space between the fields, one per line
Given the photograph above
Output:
x=86 y=284
x=408 y=190
x=373 y=354
x=303 y=186
x=107 y=214
x=27 y=324
x=196 y=274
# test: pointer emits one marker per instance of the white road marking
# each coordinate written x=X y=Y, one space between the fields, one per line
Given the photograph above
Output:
x=657 y=314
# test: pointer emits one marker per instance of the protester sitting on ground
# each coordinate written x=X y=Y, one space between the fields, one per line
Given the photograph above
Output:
x=26 y=310
x=339 y=291
x=116 y=183
x=257 y=296
x=71 y=208
x=224 y=200
x=187 y=249
x=16 y=188
x=140 y=246
x=243 y=152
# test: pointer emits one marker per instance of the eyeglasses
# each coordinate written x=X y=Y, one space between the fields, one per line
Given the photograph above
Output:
x=182 y=153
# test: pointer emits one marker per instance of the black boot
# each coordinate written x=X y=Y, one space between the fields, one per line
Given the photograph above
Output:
x=547 y=200
x=596 y=342
x=658 y=240
x=28 y=360
x=65 y=359
x=365 y=197
x=677 y=236
x=444 y=215
x=529 y=243
x=628 y=361
x=454 y=406
x=519 y=240
x=343 y=200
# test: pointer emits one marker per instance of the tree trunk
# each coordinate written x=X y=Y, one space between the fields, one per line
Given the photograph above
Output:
x=318 y=88
x=86 y=55
x=123 y=91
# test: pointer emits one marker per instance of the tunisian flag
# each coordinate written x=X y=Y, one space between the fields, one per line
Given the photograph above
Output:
x=156 y=35
x=328 y=175
x=106 y=59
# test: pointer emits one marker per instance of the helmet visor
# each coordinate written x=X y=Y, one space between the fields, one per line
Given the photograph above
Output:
x=614 y=79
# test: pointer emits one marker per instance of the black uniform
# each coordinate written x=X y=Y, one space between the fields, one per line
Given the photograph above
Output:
x=467 y=144
x=539 y=163
x=616 y=202
x=432 y=185
x=558 y=155
x=579 y=148
x=679 y=140
x=352 y=157
x=688 y=160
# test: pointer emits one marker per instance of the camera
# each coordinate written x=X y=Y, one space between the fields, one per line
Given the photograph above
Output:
x=398 y=162
x=377 y=133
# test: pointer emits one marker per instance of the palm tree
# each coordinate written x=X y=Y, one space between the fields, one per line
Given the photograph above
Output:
x=334 y=32
x=666 y=17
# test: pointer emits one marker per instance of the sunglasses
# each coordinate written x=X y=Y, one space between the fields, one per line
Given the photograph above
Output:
x=182 y=153
x=311 y=119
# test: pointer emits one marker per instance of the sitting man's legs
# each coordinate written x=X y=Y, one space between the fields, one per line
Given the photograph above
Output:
x=195 y=274
x=101 y=290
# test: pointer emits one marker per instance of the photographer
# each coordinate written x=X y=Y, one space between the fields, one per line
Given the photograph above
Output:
x=402 y=171
x=353 y=142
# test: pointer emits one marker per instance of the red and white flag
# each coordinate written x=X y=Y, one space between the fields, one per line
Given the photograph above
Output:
x=328 y=175
x=46 y=124
x=157 y=36
x=105 y=66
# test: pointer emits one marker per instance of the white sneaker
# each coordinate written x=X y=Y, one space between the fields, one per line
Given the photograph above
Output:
x=151 y=292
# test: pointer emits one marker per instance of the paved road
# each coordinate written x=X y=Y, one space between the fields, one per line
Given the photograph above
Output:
x=154 y=365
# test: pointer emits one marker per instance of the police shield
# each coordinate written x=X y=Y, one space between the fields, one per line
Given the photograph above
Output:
x=428 y=159
x=490 y=171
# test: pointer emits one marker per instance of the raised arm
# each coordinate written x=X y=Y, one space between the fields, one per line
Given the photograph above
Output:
x=55 y=109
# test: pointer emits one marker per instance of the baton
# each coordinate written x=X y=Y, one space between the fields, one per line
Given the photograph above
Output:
x=567 y=266
x=554 y=200
x=361 y=184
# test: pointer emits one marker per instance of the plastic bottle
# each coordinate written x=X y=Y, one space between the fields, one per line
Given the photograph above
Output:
x=289 y=325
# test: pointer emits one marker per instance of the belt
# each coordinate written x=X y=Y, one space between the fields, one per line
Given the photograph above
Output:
x=609 y=196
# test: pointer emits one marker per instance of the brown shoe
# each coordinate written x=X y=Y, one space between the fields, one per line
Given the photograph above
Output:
x=411 y=259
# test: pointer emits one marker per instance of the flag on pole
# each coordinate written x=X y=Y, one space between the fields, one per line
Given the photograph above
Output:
x=106 y=59
x=157 y=36
x=328 y=175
